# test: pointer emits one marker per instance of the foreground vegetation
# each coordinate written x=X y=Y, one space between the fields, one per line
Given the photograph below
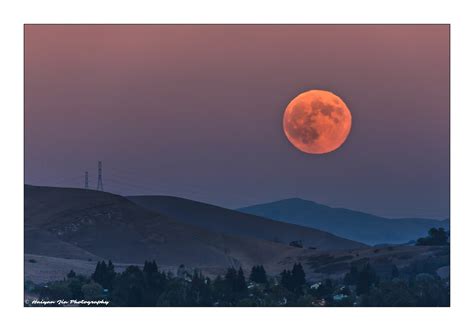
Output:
x=415 y=285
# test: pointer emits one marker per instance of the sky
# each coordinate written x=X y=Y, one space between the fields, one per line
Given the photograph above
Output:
x=196 y=111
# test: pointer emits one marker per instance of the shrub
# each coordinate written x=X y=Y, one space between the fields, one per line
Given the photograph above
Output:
x=92 y=291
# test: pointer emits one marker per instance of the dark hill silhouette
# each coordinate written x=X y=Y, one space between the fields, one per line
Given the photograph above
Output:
x=64 y=226
x=354 y=225
x=81 y=224
x=86 y=224
x=235 y=223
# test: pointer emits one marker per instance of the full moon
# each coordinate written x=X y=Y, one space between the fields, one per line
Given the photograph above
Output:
x=317 y=122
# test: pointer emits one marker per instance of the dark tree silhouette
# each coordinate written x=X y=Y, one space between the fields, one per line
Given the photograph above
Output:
x=395 y=272
x=104 y=274
x=130 y=288
x=286 y=280
x=200 y=292
x=230 y=276
x=351 y=277
x=150 y=268
x=296 y=243
x=436 y=237
x=240 y=284
x=295 y=279
x=365 y=279
x=148 y=286
x=258 y=275
x=298 y=274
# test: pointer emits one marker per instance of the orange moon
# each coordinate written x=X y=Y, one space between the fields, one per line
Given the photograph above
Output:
x=317 y=122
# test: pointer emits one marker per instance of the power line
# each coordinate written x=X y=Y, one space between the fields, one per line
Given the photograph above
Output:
x=135 y=186
x=185 y=188
x=125 y=181
x=65 y=179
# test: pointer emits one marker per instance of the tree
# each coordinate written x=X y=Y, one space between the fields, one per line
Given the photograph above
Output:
x=258 y=275
x=235 y=281
x=325 y=290
x=436 y=237
x=220 y=290
x=181 y=272
x=296 y=243
x=75 y=286
x=298 y=274
x=110 y=268
x=298 y=278
x=200 y=292
x=130 y=289
x=175 y=294
x=150 y=268
x=92 y=291
x=228 y=287
x=155 y=282
x=395 y=272
x=366 y=278
x=230 y=276
x=430 y=291
x=71 y=274
x=97 y=276
x=104 y=274
x=240 y=284
x=286 y=280
x=390 y=294
x=295 y=279
x=351 y=277
x=56 y=290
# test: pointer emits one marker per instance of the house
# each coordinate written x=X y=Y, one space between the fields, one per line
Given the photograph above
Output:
x=315 y=286
x=339 y=297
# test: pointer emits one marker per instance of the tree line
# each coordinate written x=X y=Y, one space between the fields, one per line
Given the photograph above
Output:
x=149 y=286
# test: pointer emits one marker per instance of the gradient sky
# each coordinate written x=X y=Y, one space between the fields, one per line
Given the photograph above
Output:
x=196 y=111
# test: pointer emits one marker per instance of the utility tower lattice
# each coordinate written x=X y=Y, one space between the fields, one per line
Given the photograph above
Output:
x=100 y=187
x=86 y=180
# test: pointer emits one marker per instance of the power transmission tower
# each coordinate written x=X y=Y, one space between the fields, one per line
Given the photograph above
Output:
x=100 y=187
x=86 y=183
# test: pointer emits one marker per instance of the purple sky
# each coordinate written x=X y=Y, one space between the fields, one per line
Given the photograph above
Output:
x=196 y=111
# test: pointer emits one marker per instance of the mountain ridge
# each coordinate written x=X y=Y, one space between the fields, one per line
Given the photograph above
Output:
x=89 y=225
x=301 y=200
x=229 y=221
x=344 y=222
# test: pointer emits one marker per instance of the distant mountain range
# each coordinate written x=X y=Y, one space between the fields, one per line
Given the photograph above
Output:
x=350 y=224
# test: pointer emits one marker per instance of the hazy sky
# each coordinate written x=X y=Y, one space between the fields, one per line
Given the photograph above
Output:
x=196 y=111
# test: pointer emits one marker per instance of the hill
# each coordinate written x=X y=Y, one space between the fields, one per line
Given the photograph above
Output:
x=90 y=225
x=68 y=228
x=231 y=222
x=354 y=225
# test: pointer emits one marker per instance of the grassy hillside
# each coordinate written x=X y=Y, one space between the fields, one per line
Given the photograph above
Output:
x=86 y=224
x=235 y=223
